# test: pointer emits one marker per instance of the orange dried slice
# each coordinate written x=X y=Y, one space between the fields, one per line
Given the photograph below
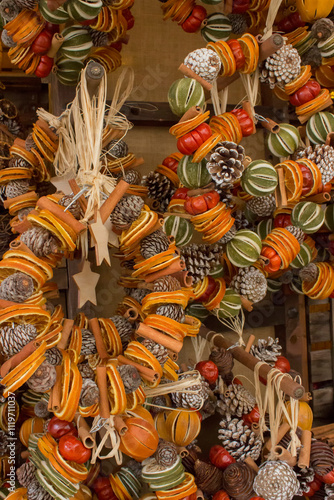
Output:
x=182 y=128
x=315 y=104
x=206 y=147
x=219 y=293
x=250 y=49
x=293 y=179
x=116 y=391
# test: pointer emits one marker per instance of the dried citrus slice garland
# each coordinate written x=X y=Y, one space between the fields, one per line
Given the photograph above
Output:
x=182 y=128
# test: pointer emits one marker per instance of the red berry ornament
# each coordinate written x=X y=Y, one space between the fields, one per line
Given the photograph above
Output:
x=72 y=449
x=209 y=370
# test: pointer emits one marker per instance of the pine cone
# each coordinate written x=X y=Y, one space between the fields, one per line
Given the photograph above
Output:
x=322 y=458
x=36 y=491
x=153 y=244
x=297 y=233
x=225 y=163
x=14 y=126
x=74 y=209
x=193 y=399
x=88 y=345
x=223 y=360
x=322 y=29
x=99 y=38
x=41 y=409
x=172 y=311
x=228 y=236
x=40 y=241
x=130 y=377
x=305 y=477
x=208 y=477
x=17 y=161
x=26 y=474
x=160 y=188
x=238 y=481
x=200 y=259
x=14 y=338
x=54 y=356
x=7 y=40
x=9 y=10
x=276 y=481
x=159 y=401
x=282 y=67
x=205 y=63
x=18 y=287
x=189 y=461
x=86 y=371
x=166 y=454
x=262 y=206
x=43 y=379
x=30 y=143
x=158 y=350
x=137 y=293
x=27 y=4
x=309 y=273
x=22 y=214
x=132 y=177
x=135 y=467
x=241 y=221
x=127 y=210
x=225 y=194
x=238 y=23
x=239 y=440
x=90 y=393
x=117 y=148
x=312 y=57
x=329 y=490
x=45 y=188
x=123 y=327
x=17 y=188
x=267 y=350
x=3 y=443
x=236 y=400
x=250 y=283
x=166 y=284
x=323 y=156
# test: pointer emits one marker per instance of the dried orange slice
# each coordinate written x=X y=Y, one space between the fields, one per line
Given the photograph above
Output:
x=293 y=179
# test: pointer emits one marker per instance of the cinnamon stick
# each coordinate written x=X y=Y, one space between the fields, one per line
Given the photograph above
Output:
x=109 y=205
x=58 y=212
x=31 y=195
x=19 y=245
x=280 y=192
x=145 y=372
x=305 y=451
x=173 y=268
x=84 y=431
x=255 y=428
x=199 y=495
x=8 y=303
x=95 y=328
x=250 y=342
x=307 y=397
x=182 y=451
x=65 y=334
x=15 y=360
x=270 y=125
x=282 y=430
x=57 y=42
x=41 y=123
x=250 y=462
x=330 y=139
x=158 y=337
x=207 y=189
x=184 y=278
x=76 y=190
x=20 y=226
x=319 y=198
x=120 y=425
x=191 y=74
x=285 y=456
x=190 y=114
x=131 y=314
x=101 y=379
x=173 y=355
x=5 y=130
x=178 y=214
x=55 y=395
x=246 y=304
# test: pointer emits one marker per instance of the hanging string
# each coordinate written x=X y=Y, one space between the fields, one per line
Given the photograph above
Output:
x=235 y=323
x=115 y=440
x=199 y=344
x=259 y=400
x=271 y=16
x=251 y=85
x=215 y=99
x=223 y=97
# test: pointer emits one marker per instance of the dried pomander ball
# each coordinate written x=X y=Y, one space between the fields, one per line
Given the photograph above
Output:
x=166 y=454
x=322 y=29
x=312 y=57
x=17 y=188
x=43 y=379
x=9 y=10
x=17 y=288
x=41 y=409
x=130 y=377
x=7 y=40
x=90 y=393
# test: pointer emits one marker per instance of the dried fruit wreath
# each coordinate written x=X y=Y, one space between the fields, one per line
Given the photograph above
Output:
x=110 y=388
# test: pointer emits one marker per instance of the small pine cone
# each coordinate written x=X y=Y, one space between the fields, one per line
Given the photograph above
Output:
x=309 y=273
x=17 y=188
x=322 y=457
x=322 y=29
x=41 y=409
x=18 y=287
x=238 y=23
x=43 y=379
x=86 y=371
x=250 y=283
x=305 y=477
x=239 y=440
x=283 y=66
x=158 y=350
x=158 y=401
x=132 y=177
x=153 y=244
x=26 y=474
x=267 y=350
x=127 y=210
x=14 y=338
x=241 y=221
x=7 y=40
x=323 y=156
x=14 y=127
x=205 y=63
x=54 y=356
x=297 y=233
x=37 y=492
x=200 y=259
x=3 y=443
x=223 y=359
x=166 y=284
x=9 y=10
x=225 y=195
x=276 y=480
x=130 y=377
x=30 y=143
x=159 y=186
x=172 y=311
x=40 y=241
x=135 y=467
x=193 y=399
x=228 y=236
x=17 y=161
x=329 y=490
x=74 y=209
x=225 y=163
x=137 y=293
x=166 y=454
x=99 y=38
x=124 y=328
x=27 y=4
x=22 y=214
x=235 y=401
x=117 y=148
x=312 y=57
x=262 y=206
x=90 y=393
x=88 y=345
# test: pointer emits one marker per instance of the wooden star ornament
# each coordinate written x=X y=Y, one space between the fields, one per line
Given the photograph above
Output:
x=100 y=234
x=86 y=282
